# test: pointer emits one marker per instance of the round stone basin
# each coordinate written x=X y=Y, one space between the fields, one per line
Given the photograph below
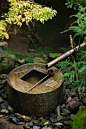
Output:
x=43 y=98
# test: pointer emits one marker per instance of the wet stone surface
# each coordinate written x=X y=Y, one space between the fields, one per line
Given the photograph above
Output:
x=61 y=118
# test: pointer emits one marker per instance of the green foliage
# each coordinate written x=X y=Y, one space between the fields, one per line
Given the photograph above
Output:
x=79 y=121
x=75 y=3
x=3 y=32
x=24 y=11
x=55 y=55
x=76 y=72
x=16 y=65
x=79 y=26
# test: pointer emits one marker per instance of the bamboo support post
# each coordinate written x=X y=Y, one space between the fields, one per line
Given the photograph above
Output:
x=73 y=56
x=72 y=47
x=80 y=93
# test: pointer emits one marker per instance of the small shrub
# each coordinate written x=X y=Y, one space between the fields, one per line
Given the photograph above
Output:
x=76 y=72
x=79 y=121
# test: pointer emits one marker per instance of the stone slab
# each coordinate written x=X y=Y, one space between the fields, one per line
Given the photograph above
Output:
x=3 y=45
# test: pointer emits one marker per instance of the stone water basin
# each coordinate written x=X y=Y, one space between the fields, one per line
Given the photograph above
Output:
x=43 y=98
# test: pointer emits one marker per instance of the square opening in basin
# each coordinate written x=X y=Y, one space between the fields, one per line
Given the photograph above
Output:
x=33 y=77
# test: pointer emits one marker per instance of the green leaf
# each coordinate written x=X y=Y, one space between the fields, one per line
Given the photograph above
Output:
x=82 y=69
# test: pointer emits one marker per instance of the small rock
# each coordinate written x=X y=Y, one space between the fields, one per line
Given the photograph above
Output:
x=67 y=90
x=65 y=97
x=58 y=124
x=17 y=114
x=31 y=50
x=56 y=127
x=82 y=106
x=63 y=114
x=84 y=94
x=66 y=83
x=47 y=122
x=1 y=116
x=26 y=126
x=4 y=96
x=13 y=120
x=4 y=105
x=22 y=117
x=65 y=111
x=69 y=122
x=3 y=82
x=21 y=61
x=73 y=105
x=59 y=118
x=4 y=45
x=53 y=120
x=12 y=57
x=30 y=123
x=58 y=110
x=65 y=118
x=53 y=115
x=45 y=127
x=69 y=99
x=1 y=99
x=50 y=127
x=4 y=111
x=36 y=127
x=26 y=118
x=36 y=122
x=3 y=76
x=76 y=99
x=10 y=109
x=21 y=123
x=45 y=57
x=63 y=106
x=72 y=116
x=73 y=93
x=39 y=60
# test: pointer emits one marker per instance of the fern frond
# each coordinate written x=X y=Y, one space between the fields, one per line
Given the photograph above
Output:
x=82 y=69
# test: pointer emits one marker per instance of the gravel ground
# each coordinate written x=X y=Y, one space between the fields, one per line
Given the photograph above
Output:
x=61 y=118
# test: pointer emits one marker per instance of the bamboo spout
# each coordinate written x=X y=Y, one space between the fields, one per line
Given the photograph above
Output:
x=50 y=64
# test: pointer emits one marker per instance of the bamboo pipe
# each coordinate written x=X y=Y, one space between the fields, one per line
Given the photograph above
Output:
x=50 y=64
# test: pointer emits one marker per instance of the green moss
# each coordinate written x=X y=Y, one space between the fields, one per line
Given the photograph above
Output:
x=79 y=121
x=55 y=55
